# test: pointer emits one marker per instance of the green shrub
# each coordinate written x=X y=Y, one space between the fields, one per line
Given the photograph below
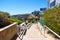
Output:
x=4 y=19
x=16 y=20
x=31 y=20
x=52 y=19
x=6 y=14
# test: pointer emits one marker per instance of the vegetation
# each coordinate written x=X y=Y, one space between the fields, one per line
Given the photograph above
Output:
x=52 y=19
x=16 y=20
x=37 y=20
x=5 y=19
x=31 y=20
x=5 y=13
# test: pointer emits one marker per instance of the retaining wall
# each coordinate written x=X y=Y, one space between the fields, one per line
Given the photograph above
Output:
x=8 y=32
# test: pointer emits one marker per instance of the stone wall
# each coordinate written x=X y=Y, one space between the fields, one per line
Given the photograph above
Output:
x=8 y=32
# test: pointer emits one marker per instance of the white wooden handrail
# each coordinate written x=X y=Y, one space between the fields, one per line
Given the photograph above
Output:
x=52 y=31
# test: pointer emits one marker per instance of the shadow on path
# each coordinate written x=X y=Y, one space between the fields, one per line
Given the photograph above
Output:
x=15 y=37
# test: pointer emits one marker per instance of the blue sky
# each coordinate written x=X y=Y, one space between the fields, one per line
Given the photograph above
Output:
x=21 y=6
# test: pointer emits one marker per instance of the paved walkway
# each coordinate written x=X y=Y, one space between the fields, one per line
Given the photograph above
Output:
x=50 y=36
x=33 y=34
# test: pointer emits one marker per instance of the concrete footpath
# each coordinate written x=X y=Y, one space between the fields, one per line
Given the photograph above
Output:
x=50 y=36
x=33 y=34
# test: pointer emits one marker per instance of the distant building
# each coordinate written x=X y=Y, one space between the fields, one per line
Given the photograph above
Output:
x=52 y=3
x=31 y=16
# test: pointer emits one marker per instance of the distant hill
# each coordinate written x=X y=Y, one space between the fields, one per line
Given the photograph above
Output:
x=24 y=16
x=21 y=16
x=27 y=16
